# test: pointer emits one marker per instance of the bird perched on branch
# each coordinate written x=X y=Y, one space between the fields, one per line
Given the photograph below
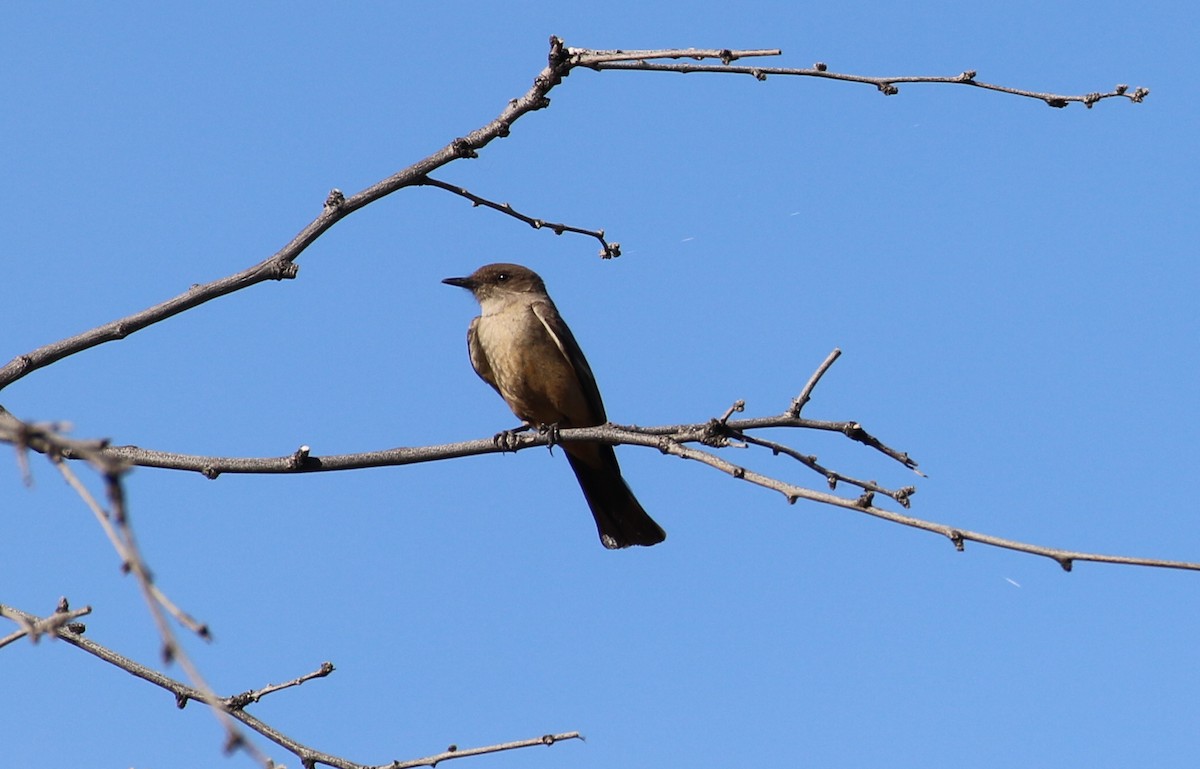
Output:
x=520 y=345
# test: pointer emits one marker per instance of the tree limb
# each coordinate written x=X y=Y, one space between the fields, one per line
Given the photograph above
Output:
x=562 y=60
x=233 y=707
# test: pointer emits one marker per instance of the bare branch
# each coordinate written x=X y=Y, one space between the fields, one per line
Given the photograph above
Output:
x=233 y=707
x=669 y=439
x=112 y=462
x=281 y=265
x=35 y=628
x=805 y=395
x=239 y=701
x=886 y=85
x=1065 y=558
x=587 y=58
x=607 y=250
x=214 y=466
x=456 y=752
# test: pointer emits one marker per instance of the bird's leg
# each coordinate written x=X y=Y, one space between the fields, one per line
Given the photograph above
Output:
x=506 y=440
x=551 y=433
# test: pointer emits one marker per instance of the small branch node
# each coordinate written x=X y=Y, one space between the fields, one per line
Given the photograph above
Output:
x=463 y=148
x=299 y=457
x=335 y=200
x=957 y=538
x=854 y=431
x=865 y=500
x=821 y=66
x=558 y=52
x=716 y=434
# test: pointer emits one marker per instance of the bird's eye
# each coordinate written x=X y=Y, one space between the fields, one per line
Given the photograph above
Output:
x=502 y=277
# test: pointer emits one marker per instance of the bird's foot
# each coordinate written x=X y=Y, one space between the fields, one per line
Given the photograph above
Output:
x=507 y=440
x=551 y=433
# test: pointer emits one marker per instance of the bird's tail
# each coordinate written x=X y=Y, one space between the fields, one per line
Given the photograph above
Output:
x=620 y=518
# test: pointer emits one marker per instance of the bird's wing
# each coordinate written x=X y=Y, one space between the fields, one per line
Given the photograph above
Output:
x=547 y=313
x=479 y=360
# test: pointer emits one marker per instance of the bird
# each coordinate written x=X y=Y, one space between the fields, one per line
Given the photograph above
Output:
x=521 y=346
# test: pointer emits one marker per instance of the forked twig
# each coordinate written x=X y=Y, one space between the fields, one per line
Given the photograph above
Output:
x=234 y=707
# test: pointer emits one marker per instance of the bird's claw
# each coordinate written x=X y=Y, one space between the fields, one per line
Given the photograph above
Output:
x=551 y=433
x=506 y=440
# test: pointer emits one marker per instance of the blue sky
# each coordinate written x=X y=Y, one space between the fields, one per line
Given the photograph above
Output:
x=1013 y=288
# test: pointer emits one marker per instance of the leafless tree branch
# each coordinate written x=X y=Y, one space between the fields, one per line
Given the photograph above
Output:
x=61 y=625
x=35 y=628
x=639 y=61
x=239 y=701
x=562 y=61
x=669 y=439
x=607 y=250
x=111 y=462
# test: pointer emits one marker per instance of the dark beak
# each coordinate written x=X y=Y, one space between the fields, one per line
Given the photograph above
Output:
x=466 y=283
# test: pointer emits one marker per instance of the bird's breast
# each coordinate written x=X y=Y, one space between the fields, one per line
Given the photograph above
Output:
x=534 y=378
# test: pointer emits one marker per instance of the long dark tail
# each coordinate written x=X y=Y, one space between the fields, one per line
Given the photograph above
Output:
x=620 y=519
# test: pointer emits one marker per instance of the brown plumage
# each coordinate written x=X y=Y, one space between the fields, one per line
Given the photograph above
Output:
x=521 y=347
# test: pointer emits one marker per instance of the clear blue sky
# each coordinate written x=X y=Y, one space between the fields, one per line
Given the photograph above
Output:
x=1013 y=287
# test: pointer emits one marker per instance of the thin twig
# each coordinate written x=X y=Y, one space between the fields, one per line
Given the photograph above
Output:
x=957 y=536
x=587 y=58
x=62 y=617
x=183 y=693
x=832 y=477
x=885 y=85
x=238 y=701
x=456 y=752
x=805 y=395
x=607 y=250
x=121 y=534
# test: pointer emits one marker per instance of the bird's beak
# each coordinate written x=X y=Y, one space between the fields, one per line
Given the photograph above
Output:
x=466 y=283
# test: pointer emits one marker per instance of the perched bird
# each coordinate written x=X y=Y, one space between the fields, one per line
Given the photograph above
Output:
x=520 y=345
